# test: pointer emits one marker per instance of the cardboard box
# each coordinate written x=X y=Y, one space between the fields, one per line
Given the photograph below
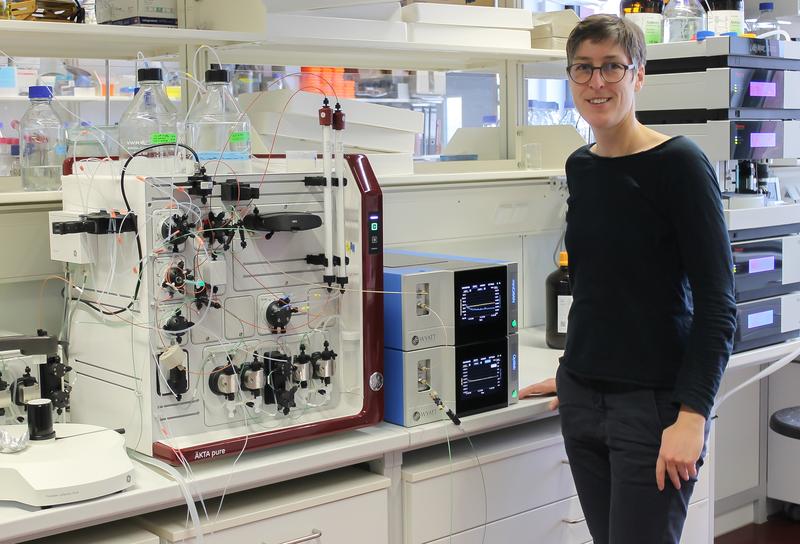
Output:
x=137 y=12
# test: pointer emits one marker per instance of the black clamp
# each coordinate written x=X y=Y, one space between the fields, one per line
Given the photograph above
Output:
x=98 y=223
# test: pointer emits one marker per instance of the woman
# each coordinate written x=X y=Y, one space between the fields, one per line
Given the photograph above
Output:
x=653 y=313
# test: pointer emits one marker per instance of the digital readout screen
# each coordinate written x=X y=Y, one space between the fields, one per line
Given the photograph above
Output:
x=760 y=319
x=480 y=301
x=763 y=88
x=481 y=376
x=761 y=264
x=762 y=139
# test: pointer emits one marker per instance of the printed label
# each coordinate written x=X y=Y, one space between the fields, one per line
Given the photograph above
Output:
x=226 y=156
x=8 y=77
x=163 y=138
x=652 y=24
x=723 y=21
x=239 y=137
x=564 y=304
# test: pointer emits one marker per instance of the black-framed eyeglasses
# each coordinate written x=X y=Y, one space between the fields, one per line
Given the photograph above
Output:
x=611 y=72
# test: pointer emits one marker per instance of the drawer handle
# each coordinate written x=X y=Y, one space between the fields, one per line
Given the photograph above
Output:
x=315 y=534
x=574 y=521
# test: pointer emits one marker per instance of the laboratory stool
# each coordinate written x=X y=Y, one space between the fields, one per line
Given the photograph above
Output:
x=786 y=422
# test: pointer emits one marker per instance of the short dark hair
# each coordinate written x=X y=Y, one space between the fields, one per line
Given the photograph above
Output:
x=602 y=27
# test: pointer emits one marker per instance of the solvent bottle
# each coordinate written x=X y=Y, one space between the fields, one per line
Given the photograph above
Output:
x=558 y=295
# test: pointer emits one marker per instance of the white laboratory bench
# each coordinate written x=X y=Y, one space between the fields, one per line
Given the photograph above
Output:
x=154 y=491
x=385 y=443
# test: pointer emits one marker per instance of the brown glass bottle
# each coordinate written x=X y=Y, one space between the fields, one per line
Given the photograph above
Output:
x=558 y=297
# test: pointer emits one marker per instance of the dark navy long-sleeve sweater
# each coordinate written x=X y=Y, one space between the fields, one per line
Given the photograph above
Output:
x=651 y=272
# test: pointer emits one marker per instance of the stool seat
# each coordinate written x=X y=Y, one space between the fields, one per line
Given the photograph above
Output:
x=786 y=422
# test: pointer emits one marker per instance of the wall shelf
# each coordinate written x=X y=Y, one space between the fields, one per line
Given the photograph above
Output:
x=65 y=40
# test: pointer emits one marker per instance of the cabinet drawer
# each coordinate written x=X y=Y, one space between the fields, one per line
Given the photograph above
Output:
x=515 y=483
x=558 y=523
x=346 y=506
x=118 y=532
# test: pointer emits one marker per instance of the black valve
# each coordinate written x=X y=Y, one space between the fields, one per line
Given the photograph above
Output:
x=222 y=381
x=175 y=278
x=178 y=381
x=279 y=313
x=52 y=378
x=231 y=190
x=324 y=363
x=200 y=184
x=177 y=325
x=285 y=399
x=176 y=230
x=303 y=368
x=214 y=228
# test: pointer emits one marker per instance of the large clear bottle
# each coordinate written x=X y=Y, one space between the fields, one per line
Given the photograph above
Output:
x=150 y=119
x=726 y=16
x=683 y=19
x=766 y=22
x=217 y=129
x=43 y=142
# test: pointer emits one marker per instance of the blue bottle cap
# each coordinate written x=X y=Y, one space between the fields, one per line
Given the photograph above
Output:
x=766 y=5
x=40 y=91
x=703 y=34
x=15 y=150
x=730 y=34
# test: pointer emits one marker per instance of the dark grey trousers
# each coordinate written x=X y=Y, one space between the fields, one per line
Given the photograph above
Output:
x=612 y=442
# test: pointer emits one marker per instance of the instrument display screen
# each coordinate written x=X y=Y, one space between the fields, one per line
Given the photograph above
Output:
x=480 y=304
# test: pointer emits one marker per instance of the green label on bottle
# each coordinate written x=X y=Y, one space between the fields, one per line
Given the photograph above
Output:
x=239 y=137
x=163 y=138
x=652 y=25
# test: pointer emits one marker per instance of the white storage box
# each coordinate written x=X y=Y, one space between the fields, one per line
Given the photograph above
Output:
x=384 y=11
x=137 y=12
x=355 y=135
x=308 y=104
x=303 y=26
x=469 y=36
x=444 y=14
x=551 y=29
x=346 y=506
x=282 y=6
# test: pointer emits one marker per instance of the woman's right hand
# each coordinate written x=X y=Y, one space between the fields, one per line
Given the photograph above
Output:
x=544 y=387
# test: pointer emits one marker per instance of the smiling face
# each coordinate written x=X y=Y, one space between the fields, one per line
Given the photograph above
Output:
x=606 y=106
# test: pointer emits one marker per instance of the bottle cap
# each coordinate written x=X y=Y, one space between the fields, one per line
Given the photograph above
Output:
x=15 y=150
x=748 y=35
x=217 y=76
x=703 y=34
x=563 y=260
x=765 y=5
x=149 y=74
x=731 y=34
x=40 y=91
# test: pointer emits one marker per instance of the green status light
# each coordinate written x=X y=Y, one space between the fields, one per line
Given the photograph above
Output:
x=373 y=226
x=514 y=323
x=514 y=394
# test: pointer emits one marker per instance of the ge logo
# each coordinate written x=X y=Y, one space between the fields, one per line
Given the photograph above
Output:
x=415 y=340
x=128 y=479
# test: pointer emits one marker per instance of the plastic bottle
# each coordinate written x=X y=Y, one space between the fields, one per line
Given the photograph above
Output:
x=647 y=15
x=217 y=129
x=43 y=141
x=726 y=16
x=150 y=119
x=558 y=296
x=683 y=19
x=766 y=22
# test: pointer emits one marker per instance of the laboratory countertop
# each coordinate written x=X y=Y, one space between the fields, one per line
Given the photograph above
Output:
x=155 y=490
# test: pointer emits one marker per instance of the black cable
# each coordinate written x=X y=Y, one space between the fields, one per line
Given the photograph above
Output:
x=135 y=228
